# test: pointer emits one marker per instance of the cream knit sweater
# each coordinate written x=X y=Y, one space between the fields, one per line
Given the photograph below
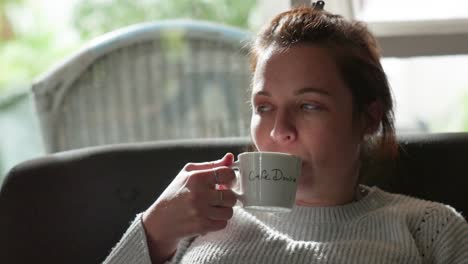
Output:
x=380 y=228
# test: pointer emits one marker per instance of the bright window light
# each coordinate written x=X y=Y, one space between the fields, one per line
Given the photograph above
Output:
x=404 y=10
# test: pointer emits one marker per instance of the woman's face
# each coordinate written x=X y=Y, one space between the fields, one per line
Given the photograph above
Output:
x=302 y=106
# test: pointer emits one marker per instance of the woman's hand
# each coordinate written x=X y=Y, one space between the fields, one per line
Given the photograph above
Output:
x=190 y=205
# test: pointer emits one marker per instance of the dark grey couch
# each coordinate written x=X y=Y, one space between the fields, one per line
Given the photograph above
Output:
x=73 y=207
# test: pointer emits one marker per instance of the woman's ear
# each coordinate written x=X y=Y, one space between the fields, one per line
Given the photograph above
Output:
x=372 y=117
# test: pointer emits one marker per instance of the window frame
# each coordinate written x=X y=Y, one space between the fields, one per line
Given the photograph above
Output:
x=409 y=38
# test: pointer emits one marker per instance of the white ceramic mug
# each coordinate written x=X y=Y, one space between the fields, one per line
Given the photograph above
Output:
x=267 y=181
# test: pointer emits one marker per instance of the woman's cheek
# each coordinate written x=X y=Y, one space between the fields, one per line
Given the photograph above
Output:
x=253 y=128
x=258 y=130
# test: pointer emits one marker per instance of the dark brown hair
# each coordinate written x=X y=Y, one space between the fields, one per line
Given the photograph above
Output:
x=357 y=56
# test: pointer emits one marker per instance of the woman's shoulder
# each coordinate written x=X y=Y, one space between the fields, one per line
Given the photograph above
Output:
x=413 y=207
x=438 y=229
x=421 y=215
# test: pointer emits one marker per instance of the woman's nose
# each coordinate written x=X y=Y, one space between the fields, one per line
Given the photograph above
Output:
x=284 y=130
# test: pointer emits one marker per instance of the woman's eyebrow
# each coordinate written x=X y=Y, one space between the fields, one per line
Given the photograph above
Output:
x=312 y=90
x=264 y=93
x=298 y=92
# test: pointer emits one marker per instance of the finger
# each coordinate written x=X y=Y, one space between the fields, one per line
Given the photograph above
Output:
x=228 y=186
x=219 y=213
x=227 y=160
x=210 y=177
x=222 y=198
x=222 y=176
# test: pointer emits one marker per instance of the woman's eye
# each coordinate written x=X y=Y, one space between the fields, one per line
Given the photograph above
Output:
x=262 y=108
x=309 y=107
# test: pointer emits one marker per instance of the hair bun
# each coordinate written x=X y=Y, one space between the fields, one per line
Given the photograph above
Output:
x=318 y=5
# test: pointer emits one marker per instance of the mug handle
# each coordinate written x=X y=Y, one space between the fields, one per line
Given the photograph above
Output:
x=237 y=188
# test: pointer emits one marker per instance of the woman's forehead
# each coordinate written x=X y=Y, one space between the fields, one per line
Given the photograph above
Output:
x=300 y=66
x=299 y=55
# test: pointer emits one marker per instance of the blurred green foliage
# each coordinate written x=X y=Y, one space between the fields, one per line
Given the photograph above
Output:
x=25 y=55
x=27 y=52
x=95 y=17
x=3 y=3
x=5 y=23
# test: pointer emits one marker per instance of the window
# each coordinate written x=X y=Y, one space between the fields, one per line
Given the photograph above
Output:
x=425 y=53
x=404 y=10
x=429 y=98
x=425 y=48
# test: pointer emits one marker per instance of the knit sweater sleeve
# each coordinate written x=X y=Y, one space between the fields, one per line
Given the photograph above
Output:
x=443 y=234
x=133 y=247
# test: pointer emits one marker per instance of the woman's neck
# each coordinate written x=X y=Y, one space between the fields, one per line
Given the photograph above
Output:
x=337 y=188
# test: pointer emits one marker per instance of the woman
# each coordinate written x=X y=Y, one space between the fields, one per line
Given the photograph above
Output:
x=318 y=92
